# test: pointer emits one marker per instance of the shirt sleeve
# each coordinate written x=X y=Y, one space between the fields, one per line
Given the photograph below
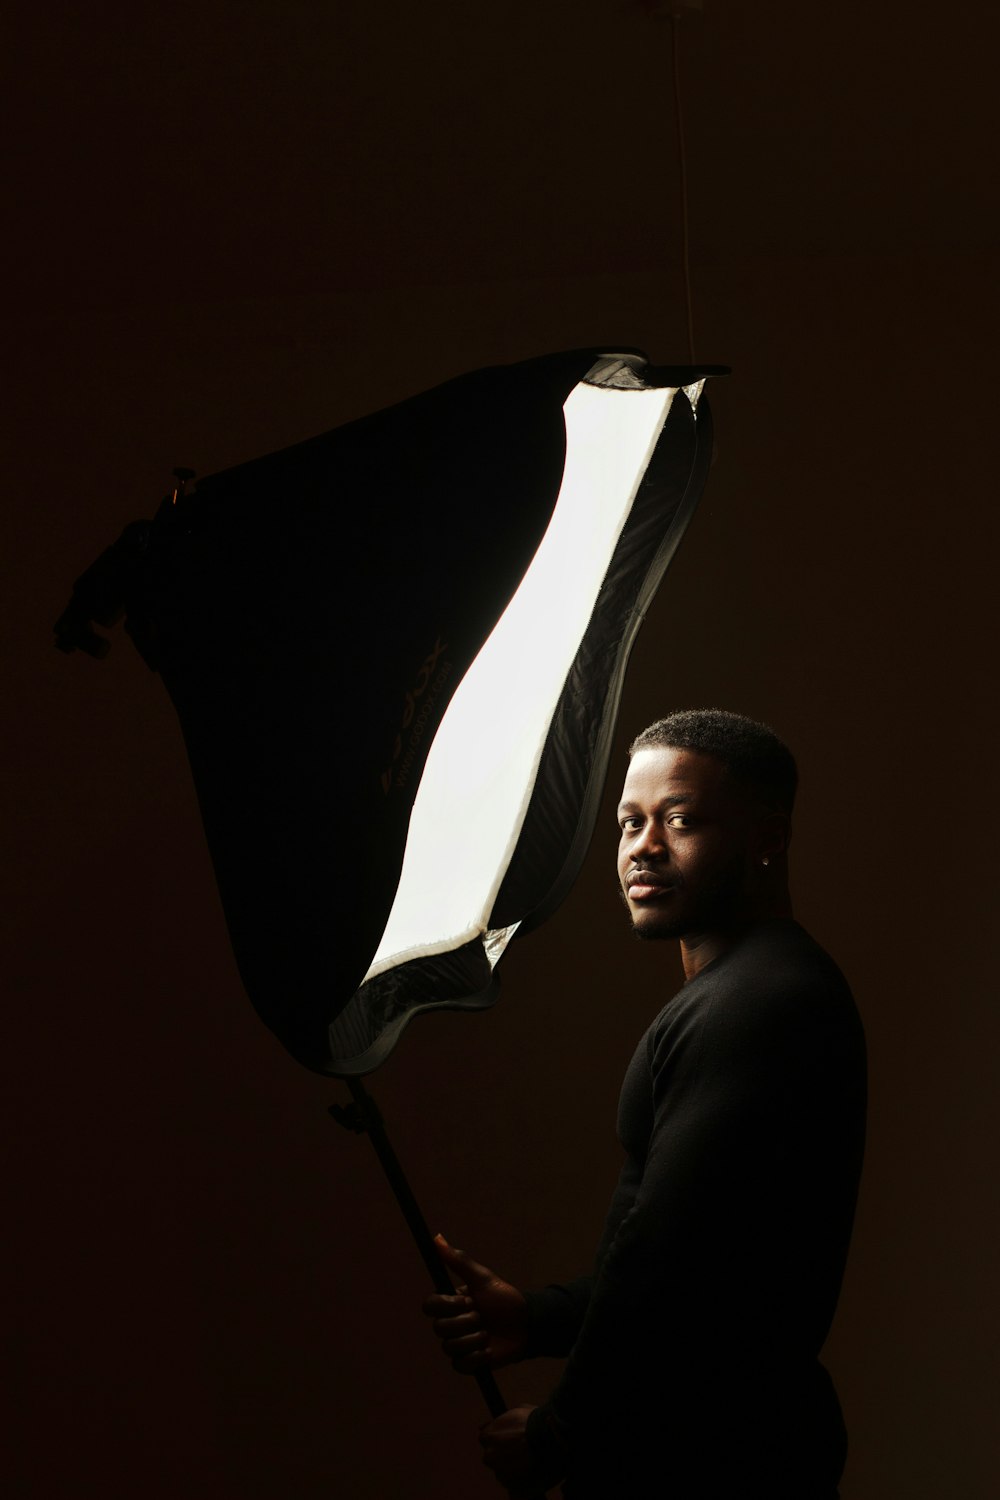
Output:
x=555 y=1317
x=556 y=1313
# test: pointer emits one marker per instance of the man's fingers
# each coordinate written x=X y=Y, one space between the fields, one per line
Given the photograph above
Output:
x=458 y=1328
x=465 y=1343
x=461 y=1264
x=440 y=1305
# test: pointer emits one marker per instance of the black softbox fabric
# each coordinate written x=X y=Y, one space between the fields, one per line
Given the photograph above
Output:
x=311 y=614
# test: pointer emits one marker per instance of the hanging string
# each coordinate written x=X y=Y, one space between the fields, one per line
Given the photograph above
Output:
x=676 y=11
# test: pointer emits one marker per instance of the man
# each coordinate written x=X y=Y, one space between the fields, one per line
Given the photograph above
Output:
x=693 y=1369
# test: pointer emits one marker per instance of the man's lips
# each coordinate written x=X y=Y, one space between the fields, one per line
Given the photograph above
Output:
x=646 y=885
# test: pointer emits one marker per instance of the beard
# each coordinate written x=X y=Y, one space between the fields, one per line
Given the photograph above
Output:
x=711 y=901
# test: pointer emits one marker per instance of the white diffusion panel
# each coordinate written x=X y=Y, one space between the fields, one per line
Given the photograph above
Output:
x=481 y=769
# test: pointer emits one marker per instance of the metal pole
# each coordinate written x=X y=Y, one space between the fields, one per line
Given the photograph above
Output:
x=365 y=1118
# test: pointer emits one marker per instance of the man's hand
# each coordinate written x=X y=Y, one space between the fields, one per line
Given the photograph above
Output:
x=506 y=1452
x=485 y=1324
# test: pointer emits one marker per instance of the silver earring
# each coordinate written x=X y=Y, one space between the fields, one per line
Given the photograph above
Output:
x=765 y=861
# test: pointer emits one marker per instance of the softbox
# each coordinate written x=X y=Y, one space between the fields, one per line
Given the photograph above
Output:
x=409 y=634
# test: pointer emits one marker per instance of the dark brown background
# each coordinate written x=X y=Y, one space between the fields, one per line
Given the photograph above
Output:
x=235 y=225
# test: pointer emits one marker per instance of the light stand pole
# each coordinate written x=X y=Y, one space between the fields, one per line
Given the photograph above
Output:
x=364 y=1118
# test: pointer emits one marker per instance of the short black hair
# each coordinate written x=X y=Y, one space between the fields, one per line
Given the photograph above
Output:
x=752 y=752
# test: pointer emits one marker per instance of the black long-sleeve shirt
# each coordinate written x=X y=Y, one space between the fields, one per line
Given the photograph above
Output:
x=693 y=1348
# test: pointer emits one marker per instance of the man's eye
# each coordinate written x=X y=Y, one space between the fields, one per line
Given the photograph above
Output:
x=629 y=825
x=678 y=820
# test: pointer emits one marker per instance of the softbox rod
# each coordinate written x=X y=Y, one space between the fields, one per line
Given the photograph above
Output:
x=367 y=1118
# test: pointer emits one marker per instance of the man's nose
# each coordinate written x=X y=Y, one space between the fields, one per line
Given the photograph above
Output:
x=650 y=844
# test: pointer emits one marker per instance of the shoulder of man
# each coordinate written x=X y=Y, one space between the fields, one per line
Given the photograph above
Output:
x=776 y=982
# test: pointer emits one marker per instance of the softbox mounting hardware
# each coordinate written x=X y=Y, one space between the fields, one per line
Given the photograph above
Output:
x=349 y=1116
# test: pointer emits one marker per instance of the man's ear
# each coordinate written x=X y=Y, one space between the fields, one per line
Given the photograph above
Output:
x=774 y=834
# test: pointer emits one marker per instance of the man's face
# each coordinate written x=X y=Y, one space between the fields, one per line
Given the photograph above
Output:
x=686 y=847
